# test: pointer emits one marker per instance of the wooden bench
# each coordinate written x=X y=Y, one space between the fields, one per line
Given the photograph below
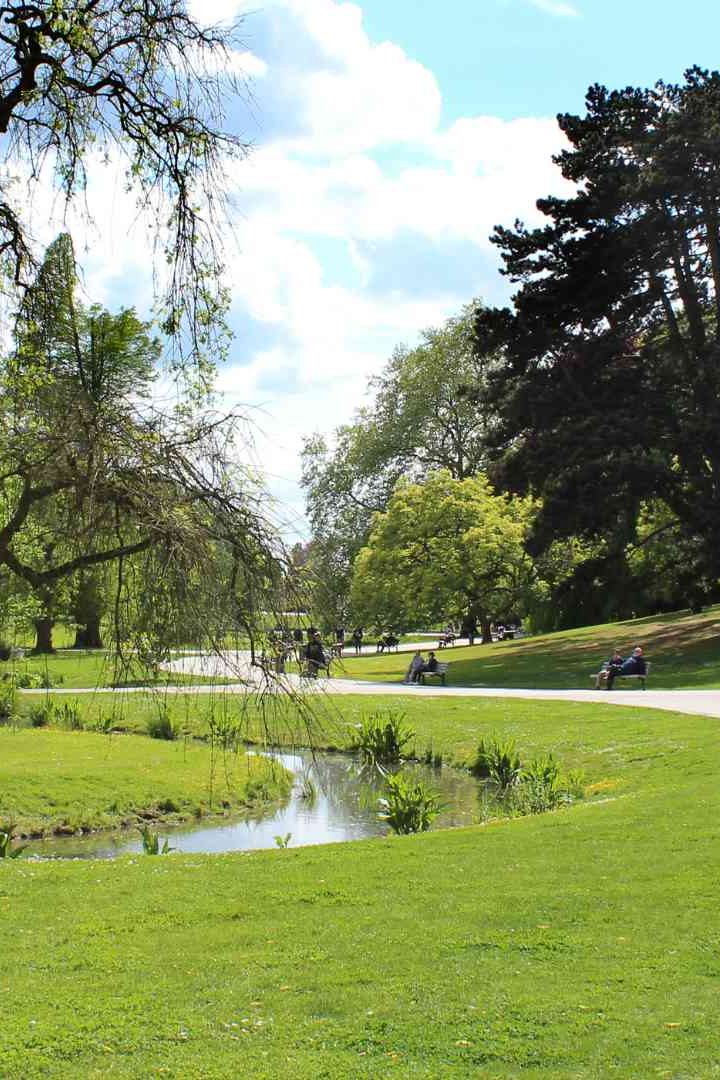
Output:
x=439 y=673
x=446 y=640
x=641 y=678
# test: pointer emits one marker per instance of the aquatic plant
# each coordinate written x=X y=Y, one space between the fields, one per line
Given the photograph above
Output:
x=498 y=761
x=408 y=806
x=382 y=737
x=7 y=835
x=151 y=842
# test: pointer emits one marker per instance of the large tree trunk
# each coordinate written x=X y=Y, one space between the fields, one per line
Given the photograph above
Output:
x=43 y=635
x=88 y=636
x=486 y=631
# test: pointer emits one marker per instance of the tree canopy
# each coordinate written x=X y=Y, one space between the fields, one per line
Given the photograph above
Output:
x=94 y=471
x=423 y=417
x=445 y=548
x=608 y=393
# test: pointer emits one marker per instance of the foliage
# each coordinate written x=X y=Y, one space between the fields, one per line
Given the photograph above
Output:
x=151 y=842
x=283 y=841
x=8 y=702
x=445 y=548
x=7 y=850
x=498 y=761
x=160 y=725
x=421 y=419
x=408 y=806
x=382 y=737
x=609 y=389
x=143 y=82
x=98 y=475
x=59 y=714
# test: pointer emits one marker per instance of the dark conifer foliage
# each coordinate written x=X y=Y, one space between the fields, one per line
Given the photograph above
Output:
x=609 y=392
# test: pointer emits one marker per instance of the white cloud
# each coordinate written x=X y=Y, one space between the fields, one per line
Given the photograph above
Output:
x=556 y=7
x=363 y=165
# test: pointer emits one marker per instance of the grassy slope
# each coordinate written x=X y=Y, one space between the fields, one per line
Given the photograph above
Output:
x=684 y=651
x=579 y=944
x=54 y=780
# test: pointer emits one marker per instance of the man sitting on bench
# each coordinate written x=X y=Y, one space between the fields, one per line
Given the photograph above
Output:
x=634 y=665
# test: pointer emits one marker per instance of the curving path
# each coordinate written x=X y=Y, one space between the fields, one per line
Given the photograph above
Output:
x=237 y=665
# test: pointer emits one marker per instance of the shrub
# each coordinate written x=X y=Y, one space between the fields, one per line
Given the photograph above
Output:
x=5 y=651
x=498 y=761
x=382 y=737
x=8 y=703
x=64 y=714
x=161 y=726
x=409 y=806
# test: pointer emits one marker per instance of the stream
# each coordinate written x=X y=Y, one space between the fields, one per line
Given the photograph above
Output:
x=343 y=805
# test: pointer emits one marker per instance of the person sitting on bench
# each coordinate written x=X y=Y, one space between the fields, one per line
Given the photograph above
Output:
x=416 y=665
x=615 y=661
x=427 y=669
x=315 y=656
x=634 y=665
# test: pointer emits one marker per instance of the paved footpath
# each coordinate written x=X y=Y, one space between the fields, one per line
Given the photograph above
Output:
x=236 y=665
x=701 y=702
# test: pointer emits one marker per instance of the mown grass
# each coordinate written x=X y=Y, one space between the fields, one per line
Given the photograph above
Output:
x=684 y=651
x=75 y=669
x=579 y=944
x=57 y=781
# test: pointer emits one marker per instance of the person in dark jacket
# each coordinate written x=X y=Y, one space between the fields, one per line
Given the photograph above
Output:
x=614 y=662
x=634 y=665
x=315 y=656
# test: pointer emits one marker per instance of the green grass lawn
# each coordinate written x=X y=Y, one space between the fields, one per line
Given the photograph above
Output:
x=73 y=669
x=578 y=944
x=57 y=781
x=684 y=651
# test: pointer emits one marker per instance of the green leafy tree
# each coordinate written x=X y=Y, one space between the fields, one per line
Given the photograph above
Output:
x=93 y=472
x=424 y=416
x=445 y=547
x=610 y=389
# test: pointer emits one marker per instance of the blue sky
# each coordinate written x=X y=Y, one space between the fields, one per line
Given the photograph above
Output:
x=389 y=137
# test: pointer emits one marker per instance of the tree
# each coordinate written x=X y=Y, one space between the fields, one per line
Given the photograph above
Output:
x=142 y=77
x=422 y=418
x=93 y=475
x=445 y=548
x=609 y=391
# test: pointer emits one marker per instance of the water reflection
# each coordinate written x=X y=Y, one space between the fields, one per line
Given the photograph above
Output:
x=333 y=798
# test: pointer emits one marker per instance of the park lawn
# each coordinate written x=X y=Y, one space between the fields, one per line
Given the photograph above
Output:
x=684 y=651
x=581 y=735
x=579 y=944
x=61 y=781
x=76 y=669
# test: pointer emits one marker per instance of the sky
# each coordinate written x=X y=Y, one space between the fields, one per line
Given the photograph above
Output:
x=388 y=138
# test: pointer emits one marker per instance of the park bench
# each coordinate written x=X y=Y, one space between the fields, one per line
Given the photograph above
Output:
x=307 y=671
x=445 y=640
x=641 y=678
x=439 y=673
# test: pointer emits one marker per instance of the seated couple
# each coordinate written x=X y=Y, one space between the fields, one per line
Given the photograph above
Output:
x=616 y=665
x=418 y=666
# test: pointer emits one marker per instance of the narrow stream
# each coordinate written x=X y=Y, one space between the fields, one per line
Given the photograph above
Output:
x=344 y=807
